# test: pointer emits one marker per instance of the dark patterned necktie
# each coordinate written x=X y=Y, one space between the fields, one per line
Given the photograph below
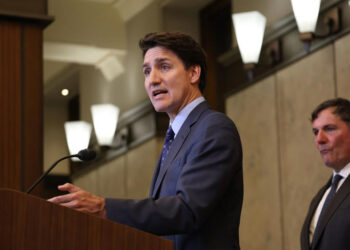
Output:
x=169 y=138
x=329 y=198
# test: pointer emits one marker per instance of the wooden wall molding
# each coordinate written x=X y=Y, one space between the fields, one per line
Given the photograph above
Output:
x=38 y=7
x=21 y=95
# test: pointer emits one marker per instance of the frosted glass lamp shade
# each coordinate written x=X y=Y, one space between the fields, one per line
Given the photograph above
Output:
x=78 y=136
x=105 y=119
x=306 y=14
x=249 y=28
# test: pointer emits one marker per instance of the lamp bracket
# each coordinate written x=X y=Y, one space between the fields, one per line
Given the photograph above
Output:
x=249 y=66
x=307 y=36
x=271 y=55
x=331 y=23
x=332 y=20
x=274 y=51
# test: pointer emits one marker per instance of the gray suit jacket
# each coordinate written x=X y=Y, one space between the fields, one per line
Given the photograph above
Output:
x=334 y=228
x=196 y=198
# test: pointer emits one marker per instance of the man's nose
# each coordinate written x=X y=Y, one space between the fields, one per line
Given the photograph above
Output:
x=321 y=137
x=154 y=76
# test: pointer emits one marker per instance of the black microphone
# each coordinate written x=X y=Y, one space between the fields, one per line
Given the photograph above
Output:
x=84 y=155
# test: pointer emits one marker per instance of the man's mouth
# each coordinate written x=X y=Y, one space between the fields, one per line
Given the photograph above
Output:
x=159 y=92
x=324 y=151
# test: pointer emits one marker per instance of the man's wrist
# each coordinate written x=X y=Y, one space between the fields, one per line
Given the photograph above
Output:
x=102 y=211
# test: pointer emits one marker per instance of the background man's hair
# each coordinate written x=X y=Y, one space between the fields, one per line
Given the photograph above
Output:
x=341 y=105
x=181 y=44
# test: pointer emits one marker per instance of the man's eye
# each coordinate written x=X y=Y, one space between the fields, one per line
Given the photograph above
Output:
x=165 y=67
x=146 y=72
x=315 y=131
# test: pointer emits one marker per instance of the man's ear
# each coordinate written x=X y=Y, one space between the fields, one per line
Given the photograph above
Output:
x=195 y=73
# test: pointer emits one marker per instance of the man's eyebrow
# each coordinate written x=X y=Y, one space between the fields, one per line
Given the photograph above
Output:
x=161 y=59
x=158 y=60
x=325 y=126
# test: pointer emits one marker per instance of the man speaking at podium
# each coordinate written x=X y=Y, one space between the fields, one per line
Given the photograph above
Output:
x=197 y=187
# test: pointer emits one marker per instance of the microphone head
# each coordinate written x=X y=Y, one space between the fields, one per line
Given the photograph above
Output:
x=87 y=154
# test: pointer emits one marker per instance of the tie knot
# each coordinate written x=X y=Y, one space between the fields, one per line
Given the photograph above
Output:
x=336 y=180
x=169 y=134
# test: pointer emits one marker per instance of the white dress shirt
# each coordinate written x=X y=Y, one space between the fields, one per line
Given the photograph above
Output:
x=344 y=172
x=183 y=114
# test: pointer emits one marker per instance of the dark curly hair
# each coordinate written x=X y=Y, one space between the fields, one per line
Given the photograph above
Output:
x=342 y=109
x=183 y=45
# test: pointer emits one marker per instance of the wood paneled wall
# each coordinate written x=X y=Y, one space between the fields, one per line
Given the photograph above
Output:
x=10 y=107
x=20 y=103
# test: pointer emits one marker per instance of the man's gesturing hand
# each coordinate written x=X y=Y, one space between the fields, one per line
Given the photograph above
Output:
x=80 y=200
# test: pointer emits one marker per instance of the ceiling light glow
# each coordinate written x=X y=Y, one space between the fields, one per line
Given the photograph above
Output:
x=64 y=92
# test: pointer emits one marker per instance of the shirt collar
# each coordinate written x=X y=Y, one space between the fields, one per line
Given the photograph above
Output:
x=344 y=172
x=183 y=114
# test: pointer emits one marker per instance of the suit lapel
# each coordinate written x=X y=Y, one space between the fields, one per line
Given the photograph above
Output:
x=177 y=144
x=305 y=240
x=155 y=174
x=339 y=197
x=313 y=206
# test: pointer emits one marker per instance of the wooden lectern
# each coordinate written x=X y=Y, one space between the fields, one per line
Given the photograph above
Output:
x=31 y=223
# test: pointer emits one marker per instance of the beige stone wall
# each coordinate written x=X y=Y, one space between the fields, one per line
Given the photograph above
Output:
x=55 y=145
x=282 y=168
x=140 y=166
x=254 y=112
x=342 y=62
x=301 y=87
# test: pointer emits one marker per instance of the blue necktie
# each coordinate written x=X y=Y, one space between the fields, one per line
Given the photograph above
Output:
x=169 y=138
x=329 y=198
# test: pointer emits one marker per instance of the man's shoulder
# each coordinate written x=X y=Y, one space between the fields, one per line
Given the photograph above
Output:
x=203 y=116
x=216 y=129
x=213 y=116
x=214 y=123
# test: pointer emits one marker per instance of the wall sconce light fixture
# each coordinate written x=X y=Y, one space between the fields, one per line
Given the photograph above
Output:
x=105 y=119
x=78 y=136
x=306 y=14
x=249 y=29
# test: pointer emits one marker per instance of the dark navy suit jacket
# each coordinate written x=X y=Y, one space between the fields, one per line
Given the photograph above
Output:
x=196 y=198
x=334 y=227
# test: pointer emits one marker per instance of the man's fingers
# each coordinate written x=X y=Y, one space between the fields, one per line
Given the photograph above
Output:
x=71 y=201
x=68 y=187
x=67 y=197
x=71 y=204
x=61 y=199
